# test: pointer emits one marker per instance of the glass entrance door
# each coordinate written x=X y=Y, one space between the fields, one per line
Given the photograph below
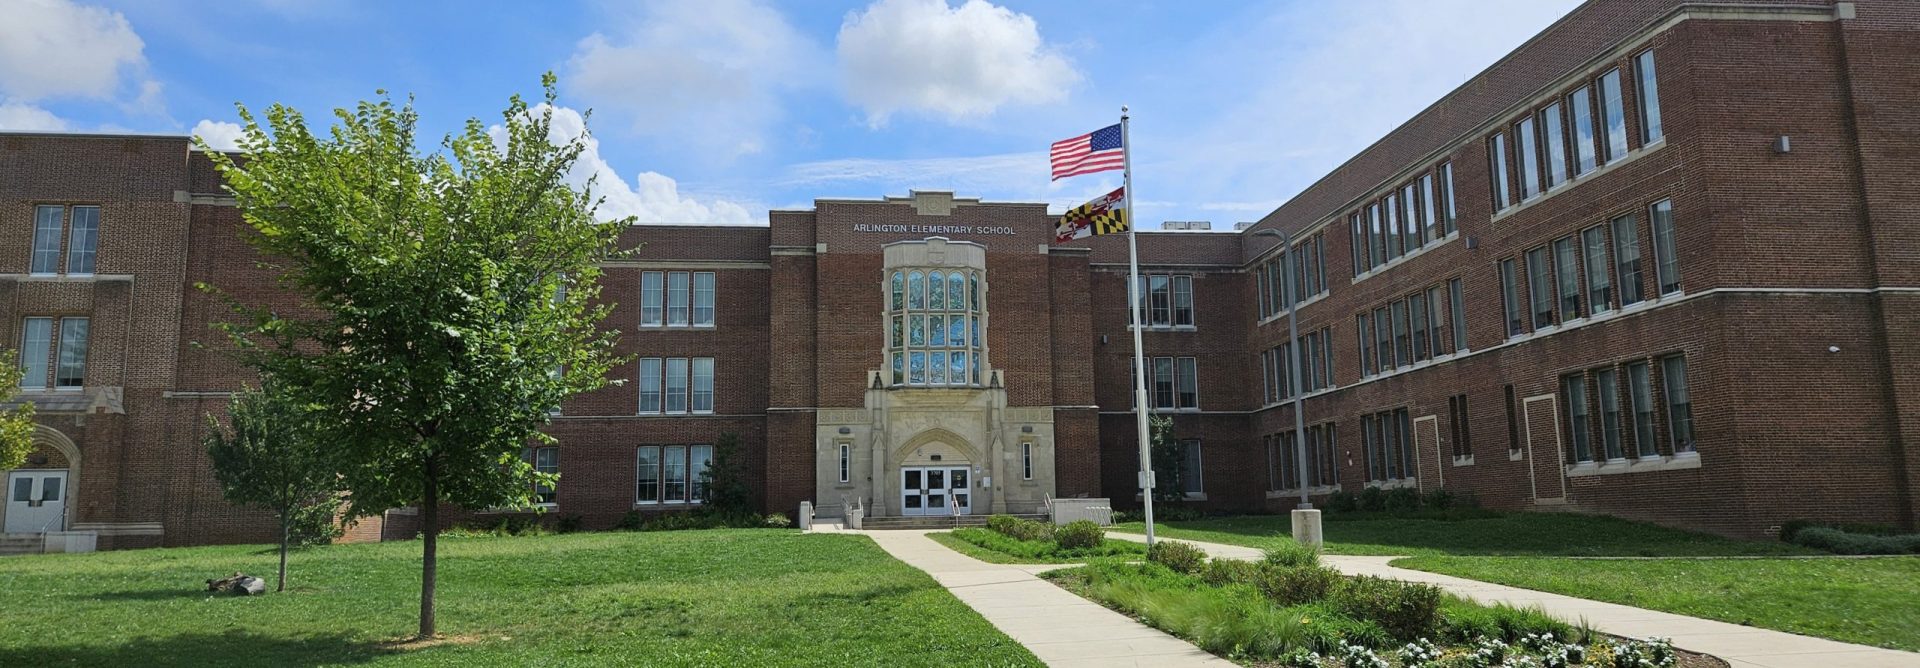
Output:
x=935 y=490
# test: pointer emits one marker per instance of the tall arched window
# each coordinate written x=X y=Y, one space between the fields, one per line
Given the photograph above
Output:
x=934 y=337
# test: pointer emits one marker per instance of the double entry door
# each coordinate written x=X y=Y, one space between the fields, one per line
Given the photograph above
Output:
x=935 y=490
x=36 y=501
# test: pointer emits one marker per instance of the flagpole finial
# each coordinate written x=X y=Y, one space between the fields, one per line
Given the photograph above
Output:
x=1123 y=110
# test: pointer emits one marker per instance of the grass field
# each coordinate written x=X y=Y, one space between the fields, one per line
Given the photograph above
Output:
x=1869 y=601
x=1509 y=534
x=738 y=597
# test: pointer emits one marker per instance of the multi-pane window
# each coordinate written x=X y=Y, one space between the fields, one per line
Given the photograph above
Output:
x=1510 y=299
x=846 y=462
x=1457 y=426
x=1613 y=116
x=676 y=385
x=1599 y=286
x=1377 y=234
x=1457 y=310
x=1417 y=313
x=1641 y=387
x=1673 y=375
x=543 y=460
x=1647 y=88
x=1497 y=163
x=53 y=356
x=1574 y=390
x=1315 y=365
x=1383 y=337
x=1527 y=158
x=81 y=228
x=1607 y=382
x=1436 y=332
x=676 y=298
x=1173 y=383
x=652 y=296
x=1386 y=437
x=1626 y=258
x=1190 y=472
x=1555 y=143
x=1284 y=455
x=1304 y=265
x=1402 y=344
x=1429 y=218
x=1567 y=271
x=1540 y=287
x=1666 y=257
x=934 y=336
x=1640 y=403
x=1358 y=234
x=1396 y=239
x=1167 y=300
x=1026 y=461
x=671 y=473
x=1415 y=225
x=1360 y=328
x=1448 y=213
x=1586 y=143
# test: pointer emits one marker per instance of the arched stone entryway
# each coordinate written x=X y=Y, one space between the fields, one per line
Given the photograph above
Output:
x=39 y=494
x=936 y=474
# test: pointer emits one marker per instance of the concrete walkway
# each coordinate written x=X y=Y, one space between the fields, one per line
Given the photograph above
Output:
x=1741 y=646
x=1061 y=628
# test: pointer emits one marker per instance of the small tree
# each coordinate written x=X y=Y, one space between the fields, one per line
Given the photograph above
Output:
x=16 y=424
x=729 y=493
x=271 y=458
x=450 y=299
x=1169 y=462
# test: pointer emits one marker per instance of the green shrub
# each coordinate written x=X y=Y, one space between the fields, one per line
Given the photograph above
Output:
x=569 y=523
x=1791 y=528
x=777 y=521
x=1180 y=557
x=1079 y=535
x=1177 y=513
x=1372 y=500
x=1402 y=500
x=1294 y=585
x=1020 y=529
x=1044 y=550
x=1223 y=572
x=1290 y=553
x=630 y=521
x=1841 y=542
x=1229 y=622
x=1440 y=498
x=1406 y=610
x=1462 y=621
x=1341 y=502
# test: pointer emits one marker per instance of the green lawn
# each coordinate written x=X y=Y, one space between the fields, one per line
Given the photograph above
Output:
x=995 y=548
x=1509 y=534
x=724 y=597
x=1870 y=601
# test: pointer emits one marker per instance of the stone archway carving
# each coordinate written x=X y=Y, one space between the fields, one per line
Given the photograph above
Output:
x=938 y=435
x=44 y=435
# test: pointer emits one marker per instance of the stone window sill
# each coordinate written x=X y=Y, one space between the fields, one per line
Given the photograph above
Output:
x=1682 y=461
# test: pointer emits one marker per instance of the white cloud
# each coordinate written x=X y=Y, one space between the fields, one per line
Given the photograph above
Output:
x=220 y=135
x=956 y=62
x=55 y=48
x=651 y=198
x=993 y=173
x=28 y=118
x=703 y=74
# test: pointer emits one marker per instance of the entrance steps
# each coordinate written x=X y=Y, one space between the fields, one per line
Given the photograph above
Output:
x=20 y=543
x=934 y=521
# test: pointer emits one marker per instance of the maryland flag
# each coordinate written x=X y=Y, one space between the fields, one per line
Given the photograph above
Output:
x=1106 y=214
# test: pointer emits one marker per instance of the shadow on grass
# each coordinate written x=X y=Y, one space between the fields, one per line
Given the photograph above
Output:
x=181 y=593
x=240 y=648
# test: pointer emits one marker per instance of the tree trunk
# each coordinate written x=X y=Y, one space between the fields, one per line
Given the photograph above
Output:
x=285 y=534
x=430 y=533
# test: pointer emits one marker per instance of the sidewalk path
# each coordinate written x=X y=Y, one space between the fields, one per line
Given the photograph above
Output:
x=1742 y=646
x=1058 y=626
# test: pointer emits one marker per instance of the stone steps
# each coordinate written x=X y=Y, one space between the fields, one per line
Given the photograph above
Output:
x=20 y=543
x=933 y=522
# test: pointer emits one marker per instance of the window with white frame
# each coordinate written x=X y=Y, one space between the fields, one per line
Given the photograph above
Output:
x=53 y=353
x=1284 y=454
x=676 y=298
x=670 y=474
x=846 y=462
x=1166 y=300
x=1385 y=437
x=1191 y=469
x=1497 y=164
x=1666 y=255
x=1613 y=116
x=1173 y=383
x=1648 y=88
x=934 y=327
x=544 y=460
x=676 y=385
x=1626 y=259
x=1673 y=374
x=78 y=226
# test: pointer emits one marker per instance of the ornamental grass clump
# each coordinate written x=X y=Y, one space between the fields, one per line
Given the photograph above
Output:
x=1290 y=553
x=1176 y=556
x=1406 y=610
x=1020 y=529
x=1296 y=585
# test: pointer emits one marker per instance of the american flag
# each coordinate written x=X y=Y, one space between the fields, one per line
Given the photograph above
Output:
x=1096 y=151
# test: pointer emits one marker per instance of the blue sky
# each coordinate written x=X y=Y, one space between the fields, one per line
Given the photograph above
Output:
x=714 y=111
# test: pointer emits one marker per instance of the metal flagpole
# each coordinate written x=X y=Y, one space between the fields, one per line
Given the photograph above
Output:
x=1139 y=357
